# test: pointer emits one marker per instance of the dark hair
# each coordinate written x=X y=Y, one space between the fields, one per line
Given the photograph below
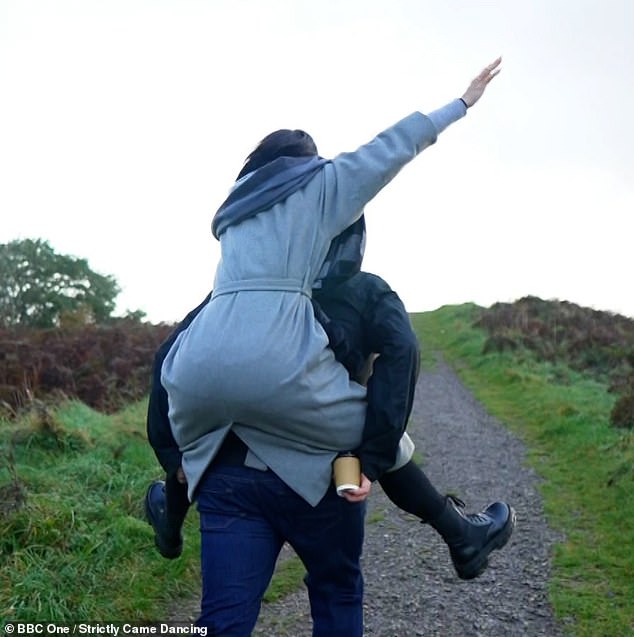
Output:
x=281 y=143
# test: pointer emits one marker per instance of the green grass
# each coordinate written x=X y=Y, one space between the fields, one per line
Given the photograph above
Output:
x=375 y=516
x=587 y=466
x=288 y=578
x=74 y=544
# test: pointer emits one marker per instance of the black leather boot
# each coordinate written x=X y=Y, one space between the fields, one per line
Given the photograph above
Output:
x=472 y=537
x=169 y=541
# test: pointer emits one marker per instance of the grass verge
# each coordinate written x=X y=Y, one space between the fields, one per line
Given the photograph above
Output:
x=587 y=466
x=74 y=544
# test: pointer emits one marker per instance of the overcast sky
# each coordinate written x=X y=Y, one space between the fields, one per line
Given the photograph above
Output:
x=123 y=124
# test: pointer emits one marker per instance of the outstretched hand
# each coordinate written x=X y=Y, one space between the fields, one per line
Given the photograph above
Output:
x=477 y=86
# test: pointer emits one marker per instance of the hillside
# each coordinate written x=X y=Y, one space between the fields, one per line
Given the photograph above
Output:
x=108 y=366
x=595 y=343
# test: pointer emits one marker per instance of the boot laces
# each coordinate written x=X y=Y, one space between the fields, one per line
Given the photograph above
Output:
x=479 y=519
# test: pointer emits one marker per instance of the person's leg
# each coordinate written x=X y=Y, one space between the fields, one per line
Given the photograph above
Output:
x=470 y=537
x=328 y=539
x=239 y=549
x=166 y=505
x=410 y=490
x=176 y=502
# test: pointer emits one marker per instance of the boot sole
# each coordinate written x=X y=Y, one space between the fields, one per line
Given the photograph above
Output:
x=478 y=564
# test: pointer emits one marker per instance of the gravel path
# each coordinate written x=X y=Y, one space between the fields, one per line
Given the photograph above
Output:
x=411 y=588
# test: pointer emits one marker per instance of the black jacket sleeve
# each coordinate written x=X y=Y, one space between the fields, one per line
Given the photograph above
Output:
x=388 y=332
x=159 y=431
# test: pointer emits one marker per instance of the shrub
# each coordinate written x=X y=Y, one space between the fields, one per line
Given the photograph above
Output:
x=104 y=366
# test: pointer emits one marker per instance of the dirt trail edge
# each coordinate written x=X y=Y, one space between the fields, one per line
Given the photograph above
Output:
x=410 y=587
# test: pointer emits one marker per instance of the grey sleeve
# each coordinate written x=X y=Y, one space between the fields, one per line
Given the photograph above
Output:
x=443 y=117
x=355 y=178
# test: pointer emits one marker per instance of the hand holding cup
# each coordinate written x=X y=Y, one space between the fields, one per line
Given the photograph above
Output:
x=347 y=473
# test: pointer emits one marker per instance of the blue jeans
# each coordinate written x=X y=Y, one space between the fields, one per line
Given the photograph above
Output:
x=246 y=515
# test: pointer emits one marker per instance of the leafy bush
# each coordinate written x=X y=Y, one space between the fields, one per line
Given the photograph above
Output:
x=104 y=366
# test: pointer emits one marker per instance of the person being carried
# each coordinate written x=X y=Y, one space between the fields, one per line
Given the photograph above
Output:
x=258 y=404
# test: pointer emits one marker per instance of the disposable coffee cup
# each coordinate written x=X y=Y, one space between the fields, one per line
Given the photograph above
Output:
x=347 y=473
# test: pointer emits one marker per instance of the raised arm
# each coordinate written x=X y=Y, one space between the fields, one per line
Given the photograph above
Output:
x=353 y=179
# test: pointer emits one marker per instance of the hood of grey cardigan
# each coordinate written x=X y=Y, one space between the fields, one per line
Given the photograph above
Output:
x=263 y=188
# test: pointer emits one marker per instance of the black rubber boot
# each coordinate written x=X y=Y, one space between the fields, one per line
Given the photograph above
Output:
x=169 y=541
x=472 y=537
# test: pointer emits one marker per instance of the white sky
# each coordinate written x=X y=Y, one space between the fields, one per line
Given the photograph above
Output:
x=124 y=122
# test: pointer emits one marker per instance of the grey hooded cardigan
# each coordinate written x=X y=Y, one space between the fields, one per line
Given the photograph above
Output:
x=255 y=360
